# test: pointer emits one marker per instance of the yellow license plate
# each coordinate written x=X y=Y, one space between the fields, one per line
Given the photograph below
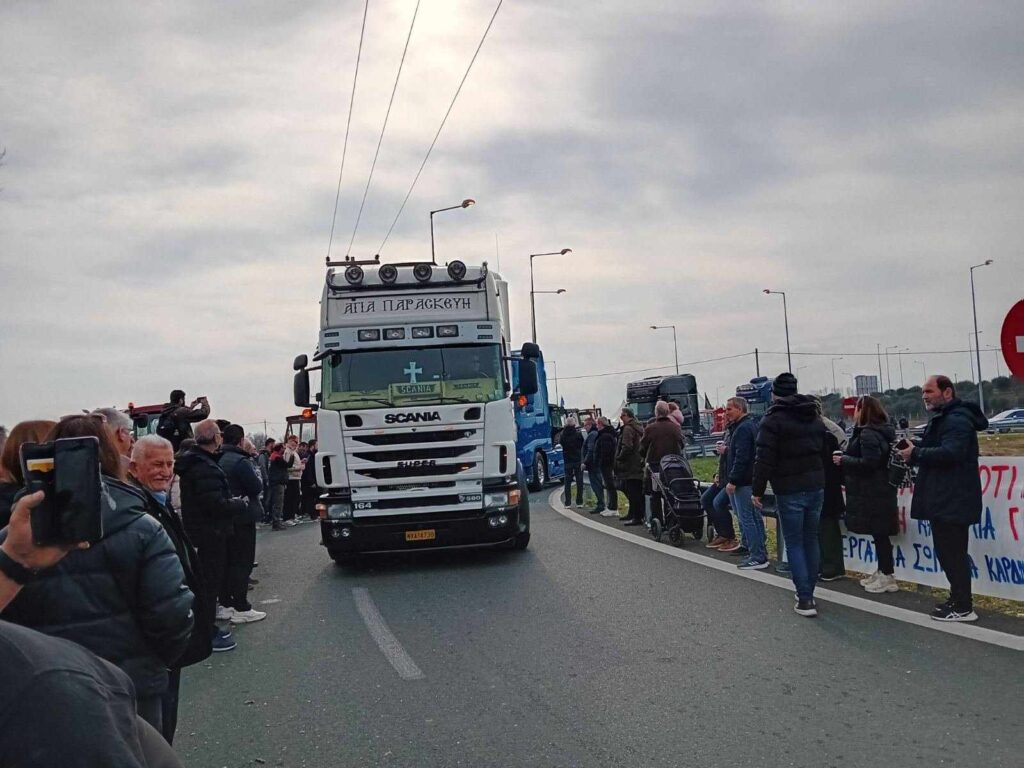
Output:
x=427 y=535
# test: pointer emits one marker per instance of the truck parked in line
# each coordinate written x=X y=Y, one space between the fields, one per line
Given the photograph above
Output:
x=758 y=394
x=537 y=424
x=417 y=410
x=681 y=389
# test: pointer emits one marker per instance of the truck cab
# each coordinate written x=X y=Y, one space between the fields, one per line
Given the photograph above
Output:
x=537 y=423
x=415 y=417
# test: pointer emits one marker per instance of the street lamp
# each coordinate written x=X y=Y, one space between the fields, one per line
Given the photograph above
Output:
x=977 y=350
x=785 y=317
x=888 y=375
x=675 y=346
x=924 y=371
x=533 y=309
x=834 y=374
x=464 y=204
x=853 y=381
x=554 y=371
x=899 y=356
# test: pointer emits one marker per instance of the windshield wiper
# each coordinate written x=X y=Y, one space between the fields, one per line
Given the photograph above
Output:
x=456 y=400
x=380 y=400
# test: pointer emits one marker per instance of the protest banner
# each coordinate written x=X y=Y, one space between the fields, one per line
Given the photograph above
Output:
x=996 y=543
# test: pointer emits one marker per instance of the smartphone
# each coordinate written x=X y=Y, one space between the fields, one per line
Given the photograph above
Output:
x=903 y=443
x=68 y=473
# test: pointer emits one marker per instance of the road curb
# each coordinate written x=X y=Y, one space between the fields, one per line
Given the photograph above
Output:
x=969 y=631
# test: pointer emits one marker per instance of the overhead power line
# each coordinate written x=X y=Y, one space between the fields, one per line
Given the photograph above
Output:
x=348 y=126
x=655 y=368
x=383 y=128
x=441 y=127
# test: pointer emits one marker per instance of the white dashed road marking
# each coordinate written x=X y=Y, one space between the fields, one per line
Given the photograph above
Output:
x=971 y=631
x=386 y=641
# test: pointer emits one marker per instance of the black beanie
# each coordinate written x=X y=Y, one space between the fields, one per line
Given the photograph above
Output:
x=784 y=385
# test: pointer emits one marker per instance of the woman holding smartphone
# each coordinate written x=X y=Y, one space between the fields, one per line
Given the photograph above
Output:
x=870 y=500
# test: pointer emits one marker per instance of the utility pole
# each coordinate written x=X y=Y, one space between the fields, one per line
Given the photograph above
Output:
x=977 y=347
x=757 y=362
x=878 y=351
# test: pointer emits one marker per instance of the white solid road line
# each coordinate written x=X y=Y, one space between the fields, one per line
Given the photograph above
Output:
x=970 y=631
x=386 y=641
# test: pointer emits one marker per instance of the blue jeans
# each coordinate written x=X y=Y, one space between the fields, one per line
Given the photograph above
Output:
x=751 y=523
x=799 y=514
x=573 y=472
x=715 y=502
x=597 y=485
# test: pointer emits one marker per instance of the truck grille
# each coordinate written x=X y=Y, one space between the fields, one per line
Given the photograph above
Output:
x=407 y=438
x=393 y=473
x=416 y=453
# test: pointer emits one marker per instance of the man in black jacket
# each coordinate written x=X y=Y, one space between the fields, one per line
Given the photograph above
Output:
x=790 y=442
x=208 y=512
x=244 y=482
x=604 y=459
x=151 y=471
x=176 y=418
x=947 y=491
x=571 y=441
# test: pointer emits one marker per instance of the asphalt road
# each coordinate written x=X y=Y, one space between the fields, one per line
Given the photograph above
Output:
x=583 y=651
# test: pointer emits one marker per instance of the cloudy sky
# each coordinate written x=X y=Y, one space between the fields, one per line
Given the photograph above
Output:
x=166 y=196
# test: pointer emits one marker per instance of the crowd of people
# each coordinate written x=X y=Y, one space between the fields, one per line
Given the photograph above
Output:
x=819 y=475
x=163 y=586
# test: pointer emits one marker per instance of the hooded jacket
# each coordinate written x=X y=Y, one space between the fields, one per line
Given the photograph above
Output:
x=948 y=486
x=207 y=506
x=571 y=441
x=124 y=598
x=629 y=461
x=604 y=449
x=243 y=480
x=789 y=447
x=871 y=506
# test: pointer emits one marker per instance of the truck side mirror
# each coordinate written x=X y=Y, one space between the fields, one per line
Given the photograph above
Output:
x=300 y=362
x=530 y=351
x=527 y=376
x=300 y=389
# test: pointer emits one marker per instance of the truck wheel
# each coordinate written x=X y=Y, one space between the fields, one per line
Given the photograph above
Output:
x=539 y=472
x=522 y=541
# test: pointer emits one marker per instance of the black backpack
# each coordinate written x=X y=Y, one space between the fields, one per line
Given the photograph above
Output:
x=168 y=428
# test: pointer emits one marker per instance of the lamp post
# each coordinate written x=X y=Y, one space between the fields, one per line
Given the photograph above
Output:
x=785 y=317
x=853 y=381
x=977 y=350
x=924 y=371
x=464 y=204
x=899 y=356
x=888 y=375
x=834 y=374
x=533 y=309
x=675 y=346
x=554 y=370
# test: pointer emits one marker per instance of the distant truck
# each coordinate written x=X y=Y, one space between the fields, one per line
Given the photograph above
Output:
x=537 y=424
x=417 y=413
x=681 y=389
x=758 y=394
x=144 y=418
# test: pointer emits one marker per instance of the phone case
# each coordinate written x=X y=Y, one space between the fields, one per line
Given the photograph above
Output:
x=79 y=489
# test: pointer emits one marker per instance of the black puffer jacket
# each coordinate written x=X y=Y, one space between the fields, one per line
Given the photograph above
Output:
x=124 y=598
x=206 y=502
x=604 y=451
x=790 y=442
x=572 y=446
x=871 y=506
x=948 y=486
x=199 y=645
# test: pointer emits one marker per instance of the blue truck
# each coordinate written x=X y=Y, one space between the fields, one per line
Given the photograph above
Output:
x=537 y=424
x=758 y=394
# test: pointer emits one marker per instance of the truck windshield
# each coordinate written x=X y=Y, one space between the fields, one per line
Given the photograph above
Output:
x=384 y=378
x=643 y=411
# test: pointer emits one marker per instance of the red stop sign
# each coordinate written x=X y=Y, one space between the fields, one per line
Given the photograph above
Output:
x=1012 y=339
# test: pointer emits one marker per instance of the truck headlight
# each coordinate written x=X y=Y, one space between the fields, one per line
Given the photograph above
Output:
x=496 y=499
x=339 y=511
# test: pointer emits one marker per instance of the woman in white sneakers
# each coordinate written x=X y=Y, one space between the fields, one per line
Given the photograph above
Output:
x=870 y=499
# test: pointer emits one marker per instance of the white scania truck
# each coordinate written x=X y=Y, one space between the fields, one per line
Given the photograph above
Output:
x=416 y=411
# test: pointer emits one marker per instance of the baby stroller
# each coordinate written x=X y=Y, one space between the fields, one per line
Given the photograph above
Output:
x=681 y=509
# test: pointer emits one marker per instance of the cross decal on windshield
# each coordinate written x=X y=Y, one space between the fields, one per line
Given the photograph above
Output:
x=412 y=371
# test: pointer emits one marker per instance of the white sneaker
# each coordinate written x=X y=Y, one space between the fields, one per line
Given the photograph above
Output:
x=883 y=584
x=870 y=579
x=610 y=513
x=290 y=523
x=224 y=614
x=247 y=617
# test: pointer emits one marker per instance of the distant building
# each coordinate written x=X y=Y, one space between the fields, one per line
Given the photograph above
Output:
x=866 y=385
